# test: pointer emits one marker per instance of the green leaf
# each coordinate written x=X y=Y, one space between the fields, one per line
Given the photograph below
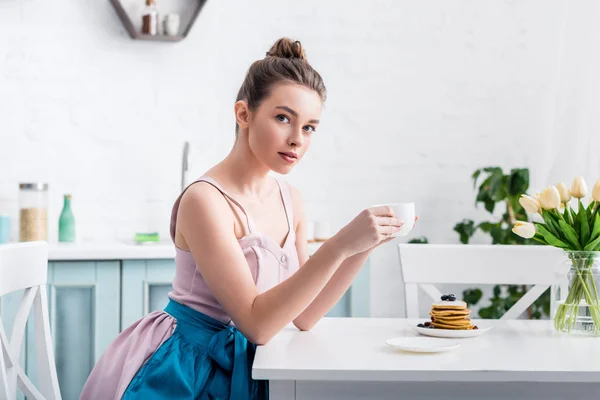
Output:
x=596 y=228
x=551 y=224
x=492 y=188
x=513 y=290
x=487 y=226
x=475 y=177
x=539 y=238
x=550 y=238
x=575 y=219
x=490 y=205
x=585 y=227
x=487 y=312
x=500 y=235
x=566 y=214
x=497 y=291
x=518 y=181
x=465 y=229
x=594 y=245
x=472 y=296
x=419 y=240
x=570 y=234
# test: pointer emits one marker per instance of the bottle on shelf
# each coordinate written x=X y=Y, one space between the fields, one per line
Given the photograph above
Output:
x=150 y=19
x=66 y=222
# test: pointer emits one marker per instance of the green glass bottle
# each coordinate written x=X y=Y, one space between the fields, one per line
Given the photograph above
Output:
x=66 y=222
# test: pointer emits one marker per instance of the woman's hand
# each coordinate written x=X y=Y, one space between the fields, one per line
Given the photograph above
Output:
x=390 y=238
x=370 y=228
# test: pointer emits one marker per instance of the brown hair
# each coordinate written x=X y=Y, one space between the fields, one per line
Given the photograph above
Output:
x=284 y=62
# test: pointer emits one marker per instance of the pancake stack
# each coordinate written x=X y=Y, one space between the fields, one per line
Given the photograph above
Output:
x=450 y=314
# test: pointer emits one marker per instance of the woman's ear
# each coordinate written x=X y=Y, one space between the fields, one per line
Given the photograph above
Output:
x=242 y=114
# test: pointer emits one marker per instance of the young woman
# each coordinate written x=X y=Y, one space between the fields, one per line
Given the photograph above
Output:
x=240 y=241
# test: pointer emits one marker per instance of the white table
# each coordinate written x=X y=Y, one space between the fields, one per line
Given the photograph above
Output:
x=348 y=359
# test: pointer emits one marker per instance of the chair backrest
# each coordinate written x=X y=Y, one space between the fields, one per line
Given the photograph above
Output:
x=24 y=266
x=423 y=265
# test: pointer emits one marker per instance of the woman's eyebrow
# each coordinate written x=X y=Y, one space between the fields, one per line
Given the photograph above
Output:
x=295 y=114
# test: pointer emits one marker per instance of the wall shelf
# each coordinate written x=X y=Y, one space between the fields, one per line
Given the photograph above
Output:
x=134 y=34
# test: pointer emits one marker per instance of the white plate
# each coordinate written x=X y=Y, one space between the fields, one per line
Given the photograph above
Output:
x=453 y=333
x=422 y=345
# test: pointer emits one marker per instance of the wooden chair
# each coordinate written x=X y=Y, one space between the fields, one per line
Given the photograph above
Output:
x=423 y=265
x=24 y=266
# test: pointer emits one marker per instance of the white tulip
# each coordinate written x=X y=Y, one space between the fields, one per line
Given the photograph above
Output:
x=524 y=229
x=579 y=188
x=530 y=204
x=596 y=191
x=550 y=198
x=565 y=193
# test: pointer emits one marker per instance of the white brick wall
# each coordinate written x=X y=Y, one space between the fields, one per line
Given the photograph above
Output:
x=420 y=94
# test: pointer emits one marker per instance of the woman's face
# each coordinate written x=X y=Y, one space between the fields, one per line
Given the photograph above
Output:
x=281 y=127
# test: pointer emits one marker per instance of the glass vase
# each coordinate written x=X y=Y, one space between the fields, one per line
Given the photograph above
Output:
x=577 y=299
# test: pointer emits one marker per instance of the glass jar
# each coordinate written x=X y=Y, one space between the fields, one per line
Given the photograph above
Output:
x=33 y=211
x=577 y=300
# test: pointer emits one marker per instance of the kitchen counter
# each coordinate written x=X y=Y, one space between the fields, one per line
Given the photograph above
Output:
x=98 y=251
x=347 y=358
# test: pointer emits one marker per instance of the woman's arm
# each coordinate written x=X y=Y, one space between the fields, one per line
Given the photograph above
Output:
x=206 y=222
x=339 y=282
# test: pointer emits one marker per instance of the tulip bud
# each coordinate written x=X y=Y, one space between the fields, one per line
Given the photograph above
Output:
x=565 y=193
x=579 y=188
x=596 y=191
x=530 y=204
x=550 y=198
x=524 y=229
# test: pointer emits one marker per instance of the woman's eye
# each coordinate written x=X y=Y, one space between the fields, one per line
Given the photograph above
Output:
x=282 y=118
x=310 y=128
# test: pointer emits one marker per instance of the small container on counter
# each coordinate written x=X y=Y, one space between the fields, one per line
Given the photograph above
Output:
x=66 y=222
x=33 y=212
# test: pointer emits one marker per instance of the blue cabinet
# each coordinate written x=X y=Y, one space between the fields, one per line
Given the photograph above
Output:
x=145 y=286
x=84 y=308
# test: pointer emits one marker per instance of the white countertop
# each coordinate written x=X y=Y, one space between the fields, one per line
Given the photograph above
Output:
x=110 y=251
x=113 y=250
x=354 y=349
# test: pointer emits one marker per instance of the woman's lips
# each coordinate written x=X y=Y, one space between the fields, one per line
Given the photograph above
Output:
x=288 y=157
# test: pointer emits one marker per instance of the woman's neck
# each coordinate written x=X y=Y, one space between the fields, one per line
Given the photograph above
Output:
x=243 y=172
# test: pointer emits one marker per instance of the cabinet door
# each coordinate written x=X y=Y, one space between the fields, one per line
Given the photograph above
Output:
x=84 y=301
x=146 y=284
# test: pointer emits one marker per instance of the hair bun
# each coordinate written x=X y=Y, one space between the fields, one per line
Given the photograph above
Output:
x=287 y=48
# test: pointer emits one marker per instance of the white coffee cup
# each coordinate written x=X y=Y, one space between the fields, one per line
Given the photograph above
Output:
x=404 y=212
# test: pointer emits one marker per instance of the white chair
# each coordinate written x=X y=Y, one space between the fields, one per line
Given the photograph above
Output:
x=423 y=265
x=24 y=266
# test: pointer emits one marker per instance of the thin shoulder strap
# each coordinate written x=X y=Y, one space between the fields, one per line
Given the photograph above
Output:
x=286 y=196
x=212 y=182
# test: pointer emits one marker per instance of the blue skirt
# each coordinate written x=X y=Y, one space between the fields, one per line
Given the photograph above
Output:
x=203 y=359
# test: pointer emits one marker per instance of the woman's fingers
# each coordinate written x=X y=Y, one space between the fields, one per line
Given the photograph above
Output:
x=388 y=225
x=383 y=211
x=389 y=221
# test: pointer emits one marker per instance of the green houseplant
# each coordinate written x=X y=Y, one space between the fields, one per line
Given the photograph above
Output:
x=500 y=190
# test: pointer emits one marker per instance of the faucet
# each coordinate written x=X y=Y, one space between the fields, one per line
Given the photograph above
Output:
x=185 y=163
